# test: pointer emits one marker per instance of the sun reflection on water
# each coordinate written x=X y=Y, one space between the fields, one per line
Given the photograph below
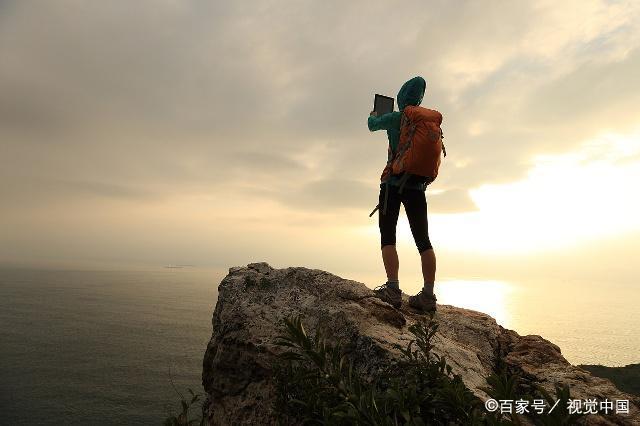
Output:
x=489 y=297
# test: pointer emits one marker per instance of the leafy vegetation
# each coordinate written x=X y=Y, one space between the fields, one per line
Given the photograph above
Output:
x=184 y=418
x=316 y=383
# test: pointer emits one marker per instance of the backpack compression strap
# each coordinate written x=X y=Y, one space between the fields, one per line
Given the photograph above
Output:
x=386 y=197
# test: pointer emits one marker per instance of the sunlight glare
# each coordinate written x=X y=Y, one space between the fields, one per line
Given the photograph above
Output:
x=565 y=200
x=484 y=296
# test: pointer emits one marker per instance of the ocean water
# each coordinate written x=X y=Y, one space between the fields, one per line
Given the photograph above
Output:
x=99 y=347
x=591 y=322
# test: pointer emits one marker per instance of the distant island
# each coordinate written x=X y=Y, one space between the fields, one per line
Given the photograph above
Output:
x=626 y=378
x=178 y=266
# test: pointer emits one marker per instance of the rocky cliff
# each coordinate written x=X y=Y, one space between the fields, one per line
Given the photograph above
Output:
x=253 y=301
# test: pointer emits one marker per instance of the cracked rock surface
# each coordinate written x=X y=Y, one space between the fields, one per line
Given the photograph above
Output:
x=253 y=301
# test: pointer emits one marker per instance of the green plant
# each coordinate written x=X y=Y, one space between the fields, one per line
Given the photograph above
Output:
x=317 y=383
x=560 y=415
x=506 y=385
x=184 y=418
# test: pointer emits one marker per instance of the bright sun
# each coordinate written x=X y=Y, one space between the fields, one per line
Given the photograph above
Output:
x=565 y=200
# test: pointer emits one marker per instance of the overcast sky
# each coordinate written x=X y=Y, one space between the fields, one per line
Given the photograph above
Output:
x=219 y=133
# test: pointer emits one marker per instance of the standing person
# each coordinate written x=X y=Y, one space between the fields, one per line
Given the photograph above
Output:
x=412 y=196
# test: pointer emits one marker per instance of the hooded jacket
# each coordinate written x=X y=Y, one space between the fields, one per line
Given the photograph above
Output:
x=411 y=93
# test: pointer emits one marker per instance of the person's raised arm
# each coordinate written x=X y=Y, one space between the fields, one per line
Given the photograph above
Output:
x=383 y=122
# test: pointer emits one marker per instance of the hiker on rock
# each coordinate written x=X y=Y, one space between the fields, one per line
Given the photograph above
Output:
x=415 y=145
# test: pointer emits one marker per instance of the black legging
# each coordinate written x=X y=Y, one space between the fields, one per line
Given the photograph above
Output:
x=415 y=205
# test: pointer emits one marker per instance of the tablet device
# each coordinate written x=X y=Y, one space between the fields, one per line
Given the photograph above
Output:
x=383 y=104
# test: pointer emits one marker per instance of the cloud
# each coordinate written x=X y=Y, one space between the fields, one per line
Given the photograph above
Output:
x=326 y=195
x=33 y=192
x=190 y=81
x=136 y=100
x=106 y=190
x=451 y=201
x=590 y=94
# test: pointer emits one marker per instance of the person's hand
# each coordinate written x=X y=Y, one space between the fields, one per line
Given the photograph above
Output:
x=374 y=113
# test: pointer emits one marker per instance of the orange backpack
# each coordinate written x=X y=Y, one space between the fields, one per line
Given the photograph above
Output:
x=420 y=146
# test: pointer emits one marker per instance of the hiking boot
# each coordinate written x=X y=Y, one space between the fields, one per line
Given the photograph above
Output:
x=389 y=294
x=423 y=302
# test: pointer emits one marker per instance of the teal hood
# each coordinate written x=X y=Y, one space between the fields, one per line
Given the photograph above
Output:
x=411 y=92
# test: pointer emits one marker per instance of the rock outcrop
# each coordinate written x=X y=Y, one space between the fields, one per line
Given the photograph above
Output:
x=253 y=301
